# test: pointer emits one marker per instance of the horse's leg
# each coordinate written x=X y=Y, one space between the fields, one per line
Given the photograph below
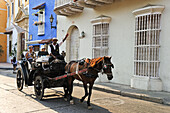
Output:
x=65 y=89
x=86 y=92
x=65 y=93
x=90 y=92
x=70 y=88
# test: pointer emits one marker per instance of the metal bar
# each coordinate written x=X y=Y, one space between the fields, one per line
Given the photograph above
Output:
x=67 y=75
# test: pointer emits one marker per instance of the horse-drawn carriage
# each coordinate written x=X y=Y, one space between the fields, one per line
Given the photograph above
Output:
x=43 y=74
x=40 y=73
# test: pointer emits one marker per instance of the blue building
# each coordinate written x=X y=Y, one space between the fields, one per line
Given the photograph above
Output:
x=40 y=12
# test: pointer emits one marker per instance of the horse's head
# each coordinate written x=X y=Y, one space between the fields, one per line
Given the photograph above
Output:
x=107 y=67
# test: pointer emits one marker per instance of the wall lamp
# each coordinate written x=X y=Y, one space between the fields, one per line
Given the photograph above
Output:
x=83 y=34
x=51 y=21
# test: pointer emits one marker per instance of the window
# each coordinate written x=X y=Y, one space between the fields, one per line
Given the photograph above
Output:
x=146 y=49
x=10 y=44
x=12 y=8
x=41 y=19
x=100 y=36
x=19 y=3
x=100 y=40
x=8 y=11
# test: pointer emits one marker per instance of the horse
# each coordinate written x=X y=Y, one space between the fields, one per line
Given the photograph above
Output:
x=93 y=66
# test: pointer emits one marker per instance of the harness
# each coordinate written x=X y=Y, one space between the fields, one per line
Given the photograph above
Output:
x=90 y=64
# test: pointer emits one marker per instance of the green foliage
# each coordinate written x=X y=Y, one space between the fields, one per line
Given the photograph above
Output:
x=1 y=50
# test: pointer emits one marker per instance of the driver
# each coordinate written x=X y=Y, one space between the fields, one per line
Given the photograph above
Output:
x=54 y=50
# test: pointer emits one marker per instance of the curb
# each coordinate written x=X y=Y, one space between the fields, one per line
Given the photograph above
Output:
x=129 y=94
x=7 y=68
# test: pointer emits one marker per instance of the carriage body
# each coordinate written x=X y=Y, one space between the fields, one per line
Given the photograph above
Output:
x=40 y=75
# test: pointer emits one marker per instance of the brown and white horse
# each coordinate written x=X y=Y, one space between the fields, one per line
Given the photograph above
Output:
x=94 y=66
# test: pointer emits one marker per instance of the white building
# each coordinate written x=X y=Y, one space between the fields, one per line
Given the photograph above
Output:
x=134 y=32
x=15 y=9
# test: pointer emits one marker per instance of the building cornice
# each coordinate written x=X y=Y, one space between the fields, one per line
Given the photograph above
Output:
x=149 y=10
x=101 y=19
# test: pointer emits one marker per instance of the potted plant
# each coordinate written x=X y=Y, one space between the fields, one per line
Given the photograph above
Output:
x=41 y=22
x=35 y=14
x=35 y=23
x=41 y=11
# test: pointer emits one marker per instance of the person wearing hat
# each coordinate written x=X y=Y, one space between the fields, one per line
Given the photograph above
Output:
x=30 y=54
x=42 y=52
x=54 y=50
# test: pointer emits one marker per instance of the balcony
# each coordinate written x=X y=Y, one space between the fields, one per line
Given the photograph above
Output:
x=67 y=7
x=94 y=3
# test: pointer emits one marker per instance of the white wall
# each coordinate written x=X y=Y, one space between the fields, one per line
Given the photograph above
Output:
x=121 y=40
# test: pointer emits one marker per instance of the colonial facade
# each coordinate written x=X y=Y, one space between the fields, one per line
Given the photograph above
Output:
x=39 y=22
x=3 y=37
x=134 y=32
x=22 y=20
x=17 y=13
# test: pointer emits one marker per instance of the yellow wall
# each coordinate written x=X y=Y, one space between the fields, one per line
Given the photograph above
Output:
x=3 y=38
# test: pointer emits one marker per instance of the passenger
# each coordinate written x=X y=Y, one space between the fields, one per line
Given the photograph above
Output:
x=30 y=55
x=43 y=51
x=54 y=51
x=14 y=62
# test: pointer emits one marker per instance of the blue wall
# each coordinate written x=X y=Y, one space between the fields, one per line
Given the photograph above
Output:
x=33 y=30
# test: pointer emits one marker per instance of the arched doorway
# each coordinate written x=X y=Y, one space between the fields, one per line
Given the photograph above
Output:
x=73 y=44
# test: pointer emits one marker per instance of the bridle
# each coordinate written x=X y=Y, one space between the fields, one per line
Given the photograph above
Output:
x=104 y=66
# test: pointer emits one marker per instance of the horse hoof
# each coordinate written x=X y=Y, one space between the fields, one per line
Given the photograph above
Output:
x=89 y=108
x=71 y=102
x=65 y=99
x=80 y=101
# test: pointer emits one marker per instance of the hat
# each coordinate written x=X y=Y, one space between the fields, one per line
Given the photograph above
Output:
x=30 y=46
x=54 y=39
x=42 y=46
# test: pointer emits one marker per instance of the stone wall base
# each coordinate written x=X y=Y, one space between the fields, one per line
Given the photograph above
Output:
x=146 y=83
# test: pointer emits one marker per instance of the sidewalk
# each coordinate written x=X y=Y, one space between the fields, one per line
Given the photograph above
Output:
x=124 y=90
x=6 y=66
x=119 y=89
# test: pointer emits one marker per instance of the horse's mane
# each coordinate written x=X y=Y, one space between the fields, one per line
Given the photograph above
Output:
x=94 y=61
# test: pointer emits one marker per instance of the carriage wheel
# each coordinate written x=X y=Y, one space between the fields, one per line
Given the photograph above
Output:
x=39 y=87
x=20 y=80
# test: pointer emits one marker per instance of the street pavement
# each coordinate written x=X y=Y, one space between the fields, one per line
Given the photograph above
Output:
x=119 y=89
x=14 y=101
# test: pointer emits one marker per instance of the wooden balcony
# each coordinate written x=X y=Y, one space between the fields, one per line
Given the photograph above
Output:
x=67 y=7
x=94 y=3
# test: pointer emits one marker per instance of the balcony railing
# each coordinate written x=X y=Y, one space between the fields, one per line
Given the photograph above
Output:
x=67 y=7
x=94 y=3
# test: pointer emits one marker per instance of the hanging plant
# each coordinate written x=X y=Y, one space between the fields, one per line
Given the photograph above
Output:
x=35 y=14
x=35 y=23
x=40 y=22
x=40 y=11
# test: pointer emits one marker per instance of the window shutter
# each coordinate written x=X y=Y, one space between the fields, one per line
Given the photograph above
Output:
x=41 y=28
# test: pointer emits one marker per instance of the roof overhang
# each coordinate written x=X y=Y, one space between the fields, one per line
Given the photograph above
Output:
x=45 y=41
x=39 y=6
